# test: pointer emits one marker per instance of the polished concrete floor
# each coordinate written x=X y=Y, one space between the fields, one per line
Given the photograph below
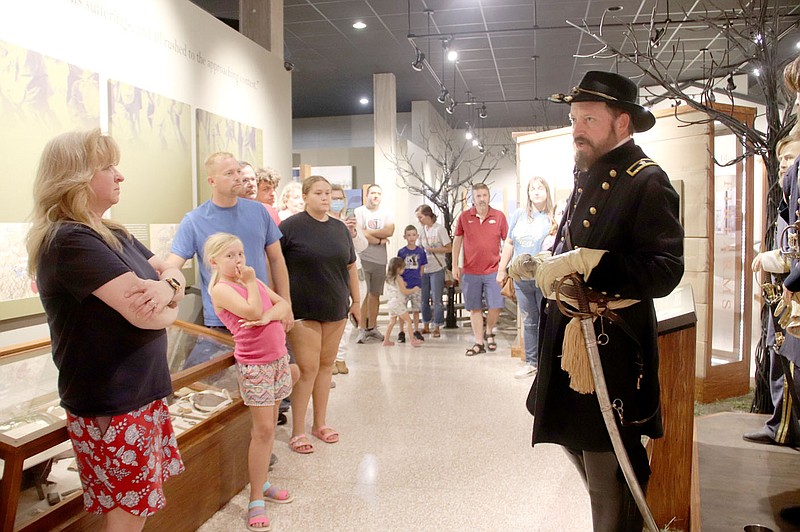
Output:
x=430 y=440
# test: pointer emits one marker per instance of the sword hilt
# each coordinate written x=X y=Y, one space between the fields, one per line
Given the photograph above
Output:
x=572 y=286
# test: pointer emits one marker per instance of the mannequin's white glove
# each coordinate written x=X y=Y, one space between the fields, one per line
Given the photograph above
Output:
x=581 y=260
x=772 y=262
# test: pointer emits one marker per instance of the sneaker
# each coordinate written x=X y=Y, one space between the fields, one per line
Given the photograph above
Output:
x=341 y=367
x=282 y=419
x=362 y=336
x=401 y=337
x=525 y=371
x=334 y=370
x=375 y=333
x=418 y=336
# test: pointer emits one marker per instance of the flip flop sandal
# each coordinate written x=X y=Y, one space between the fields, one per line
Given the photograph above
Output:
x=257 y=519
x=476 y=349
x=331 y=436
x=490 y=343
x=276 y=494
x=300 y=444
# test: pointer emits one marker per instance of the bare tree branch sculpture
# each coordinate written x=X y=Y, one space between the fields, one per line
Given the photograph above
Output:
x=448 y=166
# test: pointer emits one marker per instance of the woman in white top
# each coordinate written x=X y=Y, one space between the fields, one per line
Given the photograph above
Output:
x=434 y=239
x=527 y=230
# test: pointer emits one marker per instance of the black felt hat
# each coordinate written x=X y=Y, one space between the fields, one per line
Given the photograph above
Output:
x=613 y=89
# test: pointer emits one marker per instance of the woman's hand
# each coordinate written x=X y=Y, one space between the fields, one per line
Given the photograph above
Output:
x=355 y=311
x=148 y=297
x=351 y=225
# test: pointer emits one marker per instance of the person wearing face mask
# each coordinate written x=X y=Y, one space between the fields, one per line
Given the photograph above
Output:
x=338 y=211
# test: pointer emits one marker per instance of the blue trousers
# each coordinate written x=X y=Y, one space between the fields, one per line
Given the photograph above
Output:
x=529 y=299
x=432 y=289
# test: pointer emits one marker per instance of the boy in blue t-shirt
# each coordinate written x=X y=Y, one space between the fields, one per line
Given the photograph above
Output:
x=415 y=258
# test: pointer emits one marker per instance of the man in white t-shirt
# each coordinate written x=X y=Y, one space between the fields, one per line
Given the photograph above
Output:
x=377 y=225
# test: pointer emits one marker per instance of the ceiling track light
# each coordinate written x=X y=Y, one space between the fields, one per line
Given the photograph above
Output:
x=451 y=107
x=483 y=114
x=443 y=95
x=731 y=86
x=418 y=63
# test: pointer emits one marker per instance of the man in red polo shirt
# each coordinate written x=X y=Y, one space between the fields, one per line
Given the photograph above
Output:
x=482 y=231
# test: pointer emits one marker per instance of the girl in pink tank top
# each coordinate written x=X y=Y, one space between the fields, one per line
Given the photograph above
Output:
x=253 y=313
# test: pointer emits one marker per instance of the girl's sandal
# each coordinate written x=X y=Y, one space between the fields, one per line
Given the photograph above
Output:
x=476 y=349
x=300 y=444
x=257 y=519
x=490 y=342
x=275 y=494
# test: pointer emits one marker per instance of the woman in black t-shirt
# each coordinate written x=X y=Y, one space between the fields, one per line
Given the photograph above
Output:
x=323 y=281
x=107 y=300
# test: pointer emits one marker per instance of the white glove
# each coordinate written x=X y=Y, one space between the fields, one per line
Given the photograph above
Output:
x=524 y=266
x=581 y=260
x=771 y=261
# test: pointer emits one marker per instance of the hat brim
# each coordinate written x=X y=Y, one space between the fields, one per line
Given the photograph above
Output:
x=642 y=119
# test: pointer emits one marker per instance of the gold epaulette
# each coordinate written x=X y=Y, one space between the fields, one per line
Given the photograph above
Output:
x=639 y=165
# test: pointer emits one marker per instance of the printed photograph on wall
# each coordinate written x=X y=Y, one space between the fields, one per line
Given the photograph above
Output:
x=40 y=97
x=154 y=136
x=218 y=133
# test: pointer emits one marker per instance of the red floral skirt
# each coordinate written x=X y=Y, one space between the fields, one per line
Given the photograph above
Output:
x=126 y=466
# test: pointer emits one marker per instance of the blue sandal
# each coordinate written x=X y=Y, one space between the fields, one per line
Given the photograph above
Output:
x=257 y=520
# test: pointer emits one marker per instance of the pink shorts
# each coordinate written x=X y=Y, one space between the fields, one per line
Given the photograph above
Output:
x=126 y=466
x=265 y=384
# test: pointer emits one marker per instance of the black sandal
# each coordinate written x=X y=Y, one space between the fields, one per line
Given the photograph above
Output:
x=476 y=349
x=490 y=343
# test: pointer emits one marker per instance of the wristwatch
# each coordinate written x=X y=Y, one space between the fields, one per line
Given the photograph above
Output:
x=176 y=286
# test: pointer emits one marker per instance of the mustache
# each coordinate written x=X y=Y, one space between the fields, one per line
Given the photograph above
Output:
x=582 y=139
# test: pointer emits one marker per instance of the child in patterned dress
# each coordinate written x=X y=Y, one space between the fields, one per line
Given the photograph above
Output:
x=253 y=313
x=397 y=291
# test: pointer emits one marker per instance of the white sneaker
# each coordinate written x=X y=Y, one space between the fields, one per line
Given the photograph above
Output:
x=525 y=371
x=375 y=333
x=362 y=336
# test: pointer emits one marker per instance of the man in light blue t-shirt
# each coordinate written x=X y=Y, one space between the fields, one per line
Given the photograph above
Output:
x=227 y=212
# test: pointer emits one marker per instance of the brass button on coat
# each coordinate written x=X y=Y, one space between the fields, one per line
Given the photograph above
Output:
x=605 y=185
x=613 y=173
x=592 y=210
x=586 y=223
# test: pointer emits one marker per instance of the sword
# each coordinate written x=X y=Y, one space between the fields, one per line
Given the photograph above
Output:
x=587 y=328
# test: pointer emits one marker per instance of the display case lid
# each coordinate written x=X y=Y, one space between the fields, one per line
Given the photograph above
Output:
x=676 y=311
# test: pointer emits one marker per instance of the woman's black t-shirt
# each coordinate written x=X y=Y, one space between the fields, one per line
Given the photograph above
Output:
x=106 y=365
x=317 y=255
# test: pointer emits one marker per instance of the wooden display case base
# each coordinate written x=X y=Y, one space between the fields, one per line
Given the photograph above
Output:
x=215 y=456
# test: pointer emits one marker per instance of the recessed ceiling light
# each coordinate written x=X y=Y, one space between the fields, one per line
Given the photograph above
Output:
x=359 y=25
x=452 y=55
x=364 y=101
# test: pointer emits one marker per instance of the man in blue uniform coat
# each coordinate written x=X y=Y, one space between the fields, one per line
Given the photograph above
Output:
x=621 y=231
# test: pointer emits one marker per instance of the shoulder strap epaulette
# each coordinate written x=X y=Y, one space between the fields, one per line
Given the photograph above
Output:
x=639 y=165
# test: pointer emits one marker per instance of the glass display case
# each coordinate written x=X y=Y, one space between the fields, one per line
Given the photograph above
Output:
x=39 y=485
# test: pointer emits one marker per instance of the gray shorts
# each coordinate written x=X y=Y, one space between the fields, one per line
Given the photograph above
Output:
x=374 y=276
